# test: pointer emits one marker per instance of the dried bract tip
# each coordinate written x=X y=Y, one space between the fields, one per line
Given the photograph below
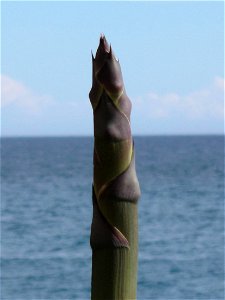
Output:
x=103 y=44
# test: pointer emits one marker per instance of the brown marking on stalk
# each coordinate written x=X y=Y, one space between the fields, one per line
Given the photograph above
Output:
x=95 y=95
x=115 y=103
x=126 y=117
x=104 y=234
x=109 y=122
x=116 y=96
x=112 y=164
x=106 y=184
x=124 y=187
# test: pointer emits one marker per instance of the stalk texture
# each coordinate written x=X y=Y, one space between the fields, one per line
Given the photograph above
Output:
x=114 y=229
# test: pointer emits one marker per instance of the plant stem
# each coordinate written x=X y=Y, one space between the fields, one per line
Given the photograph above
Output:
x=114 y=230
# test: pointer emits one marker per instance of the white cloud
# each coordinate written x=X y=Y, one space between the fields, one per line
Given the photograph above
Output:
x=25 y=112
x=201 y=104
x=17 y=94
x=200 y=111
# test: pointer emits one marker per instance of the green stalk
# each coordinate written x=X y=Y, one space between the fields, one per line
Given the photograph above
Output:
x=114 y=230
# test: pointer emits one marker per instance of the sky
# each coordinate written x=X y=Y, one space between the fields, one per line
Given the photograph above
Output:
x=171 y=55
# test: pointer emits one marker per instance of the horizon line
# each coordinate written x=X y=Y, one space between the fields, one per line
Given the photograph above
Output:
x=92 y=136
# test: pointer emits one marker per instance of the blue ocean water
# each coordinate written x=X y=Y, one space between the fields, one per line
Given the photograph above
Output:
x=47 y=211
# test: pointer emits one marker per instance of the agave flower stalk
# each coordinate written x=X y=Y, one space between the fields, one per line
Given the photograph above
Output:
x=114 y=229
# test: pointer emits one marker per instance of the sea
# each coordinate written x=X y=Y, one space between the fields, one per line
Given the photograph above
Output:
x=46 y=213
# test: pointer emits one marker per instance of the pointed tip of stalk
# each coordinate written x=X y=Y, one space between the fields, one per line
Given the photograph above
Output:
x=102 y=52
x=103 y=44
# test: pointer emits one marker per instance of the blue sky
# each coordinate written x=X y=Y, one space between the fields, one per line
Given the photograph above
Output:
x=171 y=54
